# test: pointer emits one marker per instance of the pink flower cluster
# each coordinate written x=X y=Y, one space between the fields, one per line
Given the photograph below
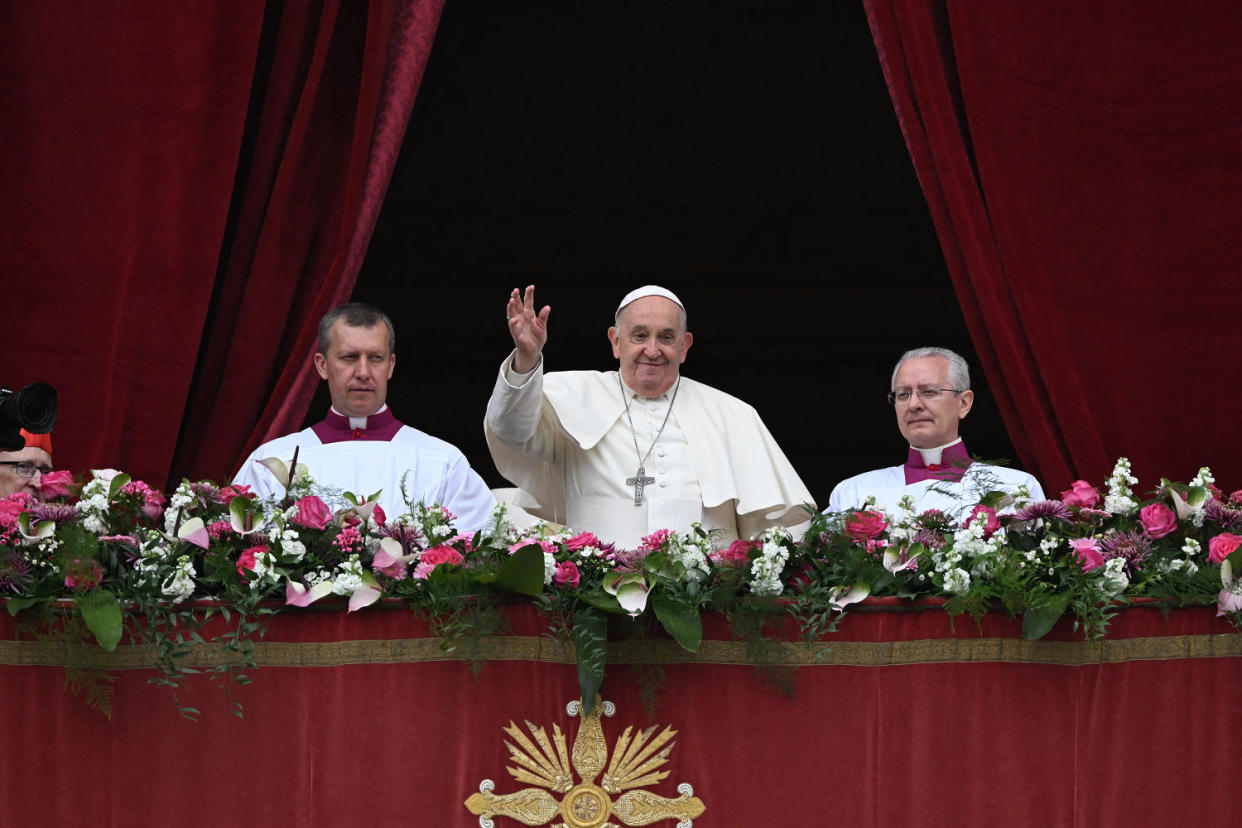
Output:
x=736 y=553
x=435 y=556
x=152 y=501
x=246 y=560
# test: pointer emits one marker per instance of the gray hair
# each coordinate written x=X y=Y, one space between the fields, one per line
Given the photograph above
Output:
x=356 y=315
x=959 y=371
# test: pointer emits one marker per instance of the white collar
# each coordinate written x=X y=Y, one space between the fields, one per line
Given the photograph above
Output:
x=359 y=422
x=932 y=456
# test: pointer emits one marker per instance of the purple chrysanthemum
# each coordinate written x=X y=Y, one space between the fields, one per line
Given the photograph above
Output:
x=1219 y=513
x=1131 y=545
x=58 y=512
x=15 y=574
x=1043 y=509
x=930 y=539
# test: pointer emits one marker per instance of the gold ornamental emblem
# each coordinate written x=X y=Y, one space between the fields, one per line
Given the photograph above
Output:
x=538 y=760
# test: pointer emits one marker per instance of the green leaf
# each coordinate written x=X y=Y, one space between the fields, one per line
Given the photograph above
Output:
x=682 y=621
x=522 y=572
x=590 y=637
x=1037 y=621
x=102 y=614
x=16 y=605
x=118 y=482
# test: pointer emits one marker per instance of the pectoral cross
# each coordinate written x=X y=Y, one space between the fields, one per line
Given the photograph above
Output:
x=639 y=482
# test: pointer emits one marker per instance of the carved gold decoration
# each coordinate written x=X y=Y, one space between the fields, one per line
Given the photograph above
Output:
x=636 y=762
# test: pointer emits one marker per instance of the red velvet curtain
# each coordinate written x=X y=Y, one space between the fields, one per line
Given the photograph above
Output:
x=1082 y=163
x=190 y=188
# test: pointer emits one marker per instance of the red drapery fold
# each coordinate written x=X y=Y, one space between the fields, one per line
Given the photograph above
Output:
x=1082 y=166
x=191 y=188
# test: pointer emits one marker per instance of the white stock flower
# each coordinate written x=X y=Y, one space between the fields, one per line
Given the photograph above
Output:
x=1120 y=500
x=291 y=546
x=957 y=581
x=765 y=570
x=549 y=568
x=180 y=584
x=1114 y=576
x=348 y=576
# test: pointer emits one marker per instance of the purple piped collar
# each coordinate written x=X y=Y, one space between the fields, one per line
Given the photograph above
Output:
x=953 y=464
x=335 y=428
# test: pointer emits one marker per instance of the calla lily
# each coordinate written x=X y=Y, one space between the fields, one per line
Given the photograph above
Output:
x=362 y=510
x=42 y=529
x=242 y=522
x=364 y=596
x=280 y=470
x=1185 y=507
x=388 y=558
x=895 y=561
x=298 y=595
x=842 y=597
x=630 y=589
x=193 y=531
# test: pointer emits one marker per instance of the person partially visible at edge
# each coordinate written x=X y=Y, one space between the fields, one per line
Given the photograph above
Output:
x=360 y=446
x=23 y=470
x=930 y=392
x=624 y=453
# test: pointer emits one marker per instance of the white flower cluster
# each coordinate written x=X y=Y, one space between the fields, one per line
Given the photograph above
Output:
x=1114 y=576
x=691 y=556
x=1203 y=478
x=93 y=503
x=1191 y=550
x=968 y=549
x=290 y=545
x=765 y=570
x=264 y=573
x=180 y=584
x=1120 y=498
x=903 y=523
x=348 y=576
x=181 y=498
x=549 y=567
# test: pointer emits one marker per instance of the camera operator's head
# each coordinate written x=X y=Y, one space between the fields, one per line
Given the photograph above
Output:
x=23 y=470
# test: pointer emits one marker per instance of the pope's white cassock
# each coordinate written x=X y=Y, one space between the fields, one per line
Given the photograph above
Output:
x=944 y=478
x=368 y=454
x=566 y=441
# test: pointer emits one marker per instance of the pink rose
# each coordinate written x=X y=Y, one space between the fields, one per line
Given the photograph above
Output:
x=865 y=525
x=737 y=554
x=245 y=561
x=1222 y=546
x=312 y=513
x=566 y=575
x=585 y=539
x=56 y=484
x=991 y=523
x=1081 y=493
x=437 y=555
x=83 y=573
x=1088 y=553
x=1158 y=520
x=229 y=492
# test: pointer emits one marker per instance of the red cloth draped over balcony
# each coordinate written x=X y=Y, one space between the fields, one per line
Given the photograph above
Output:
x=1083 y=164
x=906 y=719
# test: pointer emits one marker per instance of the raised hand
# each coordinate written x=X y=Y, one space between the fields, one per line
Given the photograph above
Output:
x=528 y=329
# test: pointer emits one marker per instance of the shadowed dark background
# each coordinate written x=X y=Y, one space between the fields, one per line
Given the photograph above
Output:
x=742 y=154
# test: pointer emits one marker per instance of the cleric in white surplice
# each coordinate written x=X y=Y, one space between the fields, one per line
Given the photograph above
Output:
x=930 y=392
x=360 y=446
x=624 y=453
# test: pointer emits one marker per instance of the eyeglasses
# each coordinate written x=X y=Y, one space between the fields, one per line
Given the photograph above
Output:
x=926 y=394
x=25 y=468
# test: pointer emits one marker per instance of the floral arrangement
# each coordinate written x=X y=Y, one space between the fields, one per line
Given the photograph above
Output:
x=132 y=560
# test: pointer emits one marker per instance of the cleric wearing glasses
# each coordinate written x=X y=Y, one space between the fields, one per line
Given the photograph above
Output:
x=931 y=395
x=23 y=470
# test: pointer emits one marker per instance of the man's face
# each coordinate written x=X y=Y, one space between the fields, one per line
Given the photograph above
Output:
x=11 y=482
x=357 y=366
x=651 y=344
x=929 y=423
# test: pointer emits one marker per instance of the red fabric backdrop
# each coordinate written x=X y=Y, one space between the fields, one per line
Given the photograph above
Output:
x=906 y=721
x=1083 y=164
x=194 y=186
